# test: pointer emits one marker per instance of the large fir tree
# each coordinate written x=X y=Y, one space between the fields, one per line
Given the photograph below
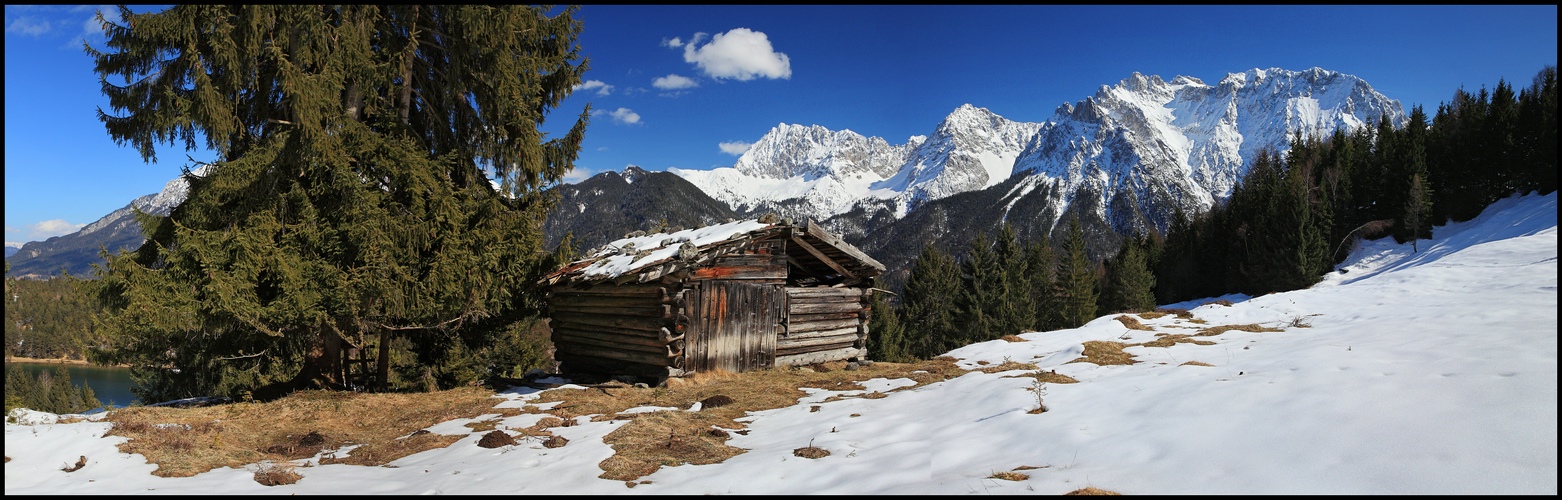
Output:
x=379 y=177
x=932 y=288
x=1076 y=284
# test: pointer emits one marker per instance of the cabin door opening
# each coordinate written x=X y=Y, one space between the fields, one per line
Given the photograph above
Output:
x=734 y=325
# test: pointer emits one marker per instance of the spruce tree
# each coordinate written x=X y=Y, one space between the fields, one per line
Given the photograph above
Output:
x=932 y=288
x=886 y=332
x=982 y=282
x=379 y=180
x=1041 y=268
x=1129 y=285
x=1016 y=308
x=1075 y=292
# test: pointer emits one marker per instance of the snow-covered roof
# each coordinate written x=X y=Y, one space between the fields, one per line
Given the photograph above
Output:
x=654 y=255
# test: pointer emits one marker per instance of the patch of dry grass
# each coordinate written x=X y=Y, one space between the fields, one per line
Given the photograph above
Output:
x=1009 y=476
x=1049 y=377
x=276 y=474
x=683 y=437
x=1221 y=302
x=1013 y=338
x=1181 y=313
x=79 y=464
x=1008 y=365
x=1105 y=353
x=1195 y=363
x=185 y=442
x=1168 y=340
x=1091 y=490
x=189 y=441
x=1131 y=322
x=665 y=438
x=811 y=452
x=1153 y=314
x=1217 y=330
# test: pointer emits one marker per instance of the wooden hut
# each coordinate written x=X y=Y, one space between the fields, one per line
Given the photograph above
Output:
x=733 y=297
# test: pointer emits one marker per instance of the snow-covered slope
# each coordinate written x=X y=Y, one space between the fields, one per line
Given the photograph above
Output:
x=1401 y=374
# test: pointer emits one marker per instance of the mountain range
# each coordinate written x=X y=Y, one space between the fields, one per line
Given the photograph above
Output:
x=1124 y=160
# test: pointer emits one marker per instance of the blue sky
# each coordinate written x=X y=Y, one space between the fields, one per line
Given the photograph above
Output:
x=690 y=86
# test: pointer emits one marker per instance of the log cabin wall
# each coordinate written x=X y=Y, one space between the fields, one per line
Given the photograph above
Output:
x=781 y=295
x=823 y=324
x=629 y=329
x=735 y=308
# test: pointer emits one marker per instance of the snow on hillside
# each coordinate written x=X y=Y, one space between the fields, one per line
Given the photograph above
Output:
x=1432 y=372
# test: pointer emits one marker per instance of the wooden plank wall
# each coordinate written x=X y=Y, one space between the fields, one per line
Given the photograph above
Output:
x=734 y=324
x=628 y=329
x=823 y=324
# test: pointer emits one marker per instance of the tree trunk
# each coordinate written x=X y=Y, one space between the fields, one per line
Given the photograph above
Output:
x=382 y=380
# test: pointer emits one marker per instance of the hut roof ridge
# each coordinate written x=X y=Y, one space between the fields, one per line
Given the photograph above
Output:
x=627 y=254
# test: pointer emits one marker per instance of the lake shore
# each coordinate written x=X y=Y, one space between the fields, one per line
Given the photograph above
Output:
x=53 y=361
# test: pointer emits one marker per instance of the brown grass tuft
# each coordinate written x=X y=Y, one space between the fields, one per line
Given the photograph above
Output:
x=1091 y=490
x=1195 y=363
x=811 y=452
x=1007 y=366
x=1152 y=314
x=1031 y=467
x=1217 y=330
x=1222 y=302
x=79 y=464
x=273 y=475
x=1181 y=313
x=1167 y=340
x=1013 y=338
x=1051 y=377
x=716 y=401
x=1105 y=353
x=1009 y=476
x=555 y=442
x=1131 y=322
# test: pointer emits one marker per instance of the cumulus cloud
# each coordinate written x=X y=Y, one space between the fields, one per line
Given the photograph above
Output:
x=576 y=175
x=91 y=29
x=622 y=116
x=27 y=25
x=740 y=54
x=673 y=42
x=674 y=82
x=735 y=148
x=51 y=228
x=601 y=87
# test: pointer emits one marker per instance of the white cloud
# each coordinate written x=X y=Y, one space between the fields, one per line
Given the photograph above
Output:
x=14 y=244
x=51 y=228
x=740 y=54
x=673 y=42
x=623 y=116
x=601 y=87
x=674 y=82
x=91 y=29
x=735 y=148
x=576 y=175
x=27 y=25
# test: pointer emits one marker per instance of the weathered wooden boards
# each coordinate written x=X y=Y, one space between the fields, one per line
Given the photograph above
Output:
x=823 y=324
x=723 y=306
x=620 y=328
x=734 y=325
